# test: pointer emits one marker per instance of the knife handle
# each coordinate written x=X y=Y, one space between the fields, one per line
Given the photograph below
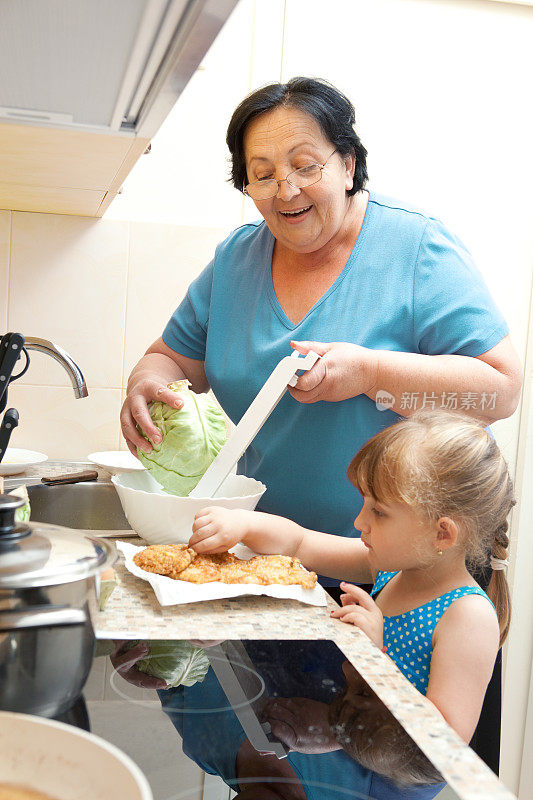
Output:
x=10 y=349
x=11 y=418
x=71 y=477
x=10 y=421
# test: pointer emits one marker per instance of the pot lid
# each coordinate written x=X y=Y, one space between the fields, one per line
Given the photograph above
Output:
x=39 y=554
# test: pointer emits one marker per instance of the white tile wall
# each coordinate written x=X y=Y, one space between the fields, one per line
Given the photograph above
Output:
x=101 y=289
x=163 y=260
x=52 y=421
x=5 y=224
x=68 y=284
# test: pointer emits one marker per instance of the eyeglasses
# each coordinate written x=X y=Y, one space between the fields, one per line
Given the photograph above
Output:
x=265 y=188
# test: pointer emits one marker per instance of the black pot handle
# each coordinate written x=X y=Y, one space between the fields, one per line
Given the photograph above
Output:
x=19 y=620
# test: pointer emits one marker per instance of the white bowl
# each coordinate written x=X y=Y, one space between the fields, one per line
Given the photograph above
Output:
x=116 y=461
x=16 y=460
x=64 y=762
x=163 y=518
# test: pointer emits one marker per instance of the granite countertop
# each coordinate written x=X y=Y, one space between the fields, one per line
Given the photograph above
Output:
x=133 y=612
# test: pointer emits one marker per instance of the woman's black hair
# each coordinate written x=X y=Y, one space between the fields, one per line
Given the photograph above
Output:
x=329 y=108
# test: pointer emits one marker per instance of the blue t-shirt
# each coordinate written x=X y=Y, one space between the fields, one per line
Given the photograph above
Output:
x=409 y=285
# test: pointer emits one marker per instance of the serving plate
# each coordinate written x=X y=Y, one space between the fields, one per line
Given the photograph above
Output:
x=16 y=460
x=116 y=461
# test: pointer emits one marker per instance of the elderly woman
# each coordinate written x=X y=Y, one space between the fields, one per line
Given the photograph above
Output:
x=385 y=294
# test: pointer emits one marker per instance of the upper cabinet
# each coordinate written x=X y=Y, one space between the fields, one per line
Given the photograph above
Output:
x=85 y=85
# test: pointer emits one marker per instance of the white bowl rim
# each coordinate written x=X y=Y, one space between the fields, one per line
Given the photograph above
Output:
x=115 y=751
x=261 y=489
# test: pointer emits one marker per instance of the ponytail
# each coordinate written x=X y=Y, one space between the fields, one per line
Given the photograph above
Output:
x=498 y=588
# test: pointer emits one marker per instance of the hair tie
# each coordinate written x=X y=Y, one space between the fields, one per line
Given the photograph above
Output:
x=498 y=563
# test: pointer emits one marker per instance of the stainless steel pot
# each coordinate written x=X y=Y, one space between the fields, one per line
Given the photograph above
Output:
x=47 y=587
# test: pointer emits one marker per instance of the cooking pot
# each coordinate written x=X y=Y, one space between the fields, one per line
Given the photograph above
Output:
x=47 y=585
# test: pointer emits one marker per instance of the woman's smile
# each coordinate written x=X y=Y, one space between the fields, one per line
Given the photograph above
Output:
x=294 y=216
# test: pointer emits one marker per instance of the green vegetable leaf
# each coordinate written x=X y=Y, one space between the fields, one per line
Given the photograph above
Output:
x=179 y=663
x=22 y=514
x=192 y=437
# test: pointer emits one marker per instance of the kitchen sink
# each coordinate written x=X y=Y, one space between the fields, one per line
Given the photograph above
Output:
x=85 y=506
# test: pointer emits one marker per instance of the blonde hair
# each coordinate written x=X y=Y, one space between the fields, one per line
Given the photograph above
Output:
x=446 y=464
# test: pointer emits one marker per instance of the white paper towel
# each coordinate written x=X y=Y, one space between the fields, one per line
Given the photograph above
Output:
x=172 y=592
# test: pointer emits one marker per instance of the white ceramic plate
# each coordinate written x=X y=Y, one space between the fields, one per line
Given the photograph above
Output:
x=116 y=461
x=16 y=461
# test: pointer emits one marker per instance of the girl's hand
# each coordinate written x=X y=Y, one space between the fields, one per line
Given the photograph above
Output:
x=345 y=370
x=216 y=529
x=361 y=610
x=135 y=412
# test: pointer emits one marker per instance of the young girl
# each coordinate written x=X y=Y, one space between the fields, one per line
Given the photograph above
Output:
x=437 y=494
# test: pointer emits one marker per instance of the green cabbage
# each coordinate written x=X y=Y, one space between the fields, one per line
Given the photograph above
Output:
x=22 y=514
x=176 y=662
x=192 y=437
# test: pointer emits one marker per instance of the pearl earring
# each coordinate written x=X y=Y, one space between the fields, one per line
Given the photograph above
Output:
x=439 y=552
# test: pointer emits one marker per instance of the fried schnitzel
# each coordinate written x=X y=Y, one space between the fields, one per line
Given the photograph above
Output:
x=164 y=558
x=183 y=563
x=277 y=569
x=204 y=569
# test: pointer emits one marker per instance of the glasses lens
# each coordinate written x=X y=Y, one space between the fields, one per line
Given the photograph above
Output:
x=305 y=176
x=262 y=190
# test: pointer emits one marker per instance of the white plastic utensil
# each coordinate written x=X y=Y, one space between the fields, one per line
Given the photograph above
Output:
x=283 y=375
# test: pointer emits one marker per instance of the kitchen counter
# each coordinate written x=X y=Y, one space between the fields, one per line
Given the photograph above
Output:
x=133 y=612
x=267 y=629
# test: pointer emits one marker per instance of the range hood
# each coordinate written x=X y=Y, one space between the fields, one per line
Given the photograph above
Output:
x=85 y=85
x=109 y=66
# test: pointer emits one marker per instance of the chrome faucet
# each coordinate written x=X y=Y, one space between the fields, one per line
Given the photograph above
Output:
x=53 y=350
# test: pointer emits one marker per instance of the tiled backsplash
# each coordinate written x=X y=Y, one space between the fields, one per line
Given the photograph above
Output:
x=103 y=290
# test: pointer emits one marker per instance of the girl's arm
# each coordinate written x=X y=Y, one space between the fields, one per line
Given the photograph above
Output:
x=216 y=529
x=466 y=642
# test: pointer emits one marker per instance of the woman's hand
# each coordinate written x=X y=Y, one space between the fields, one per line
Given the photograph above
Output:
x=345 y=370
x=301 y=724
x=358 y=608
x=216 y=529
x=135 y=412
x=124 y=659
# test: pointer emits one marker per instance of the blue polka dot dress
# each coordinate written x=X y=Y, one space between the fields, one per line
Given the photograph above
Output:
x=408 y=636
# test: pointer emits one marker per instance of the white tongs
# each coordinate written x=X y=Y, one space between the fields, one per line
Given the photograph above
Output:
x=266 y=400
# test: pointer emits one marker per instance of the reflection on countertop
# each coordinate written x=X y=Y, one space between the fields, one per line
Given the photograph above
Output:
x=133 y=612
x=326 y=732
